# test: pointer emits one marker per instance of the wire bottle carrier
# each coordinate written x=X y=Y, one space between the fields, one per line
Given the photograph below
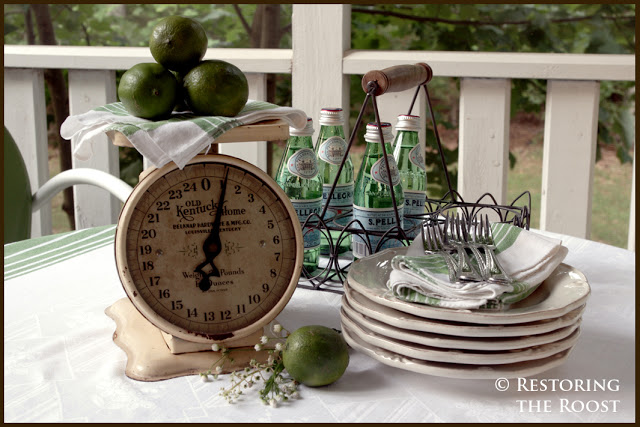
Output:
x=375 y=83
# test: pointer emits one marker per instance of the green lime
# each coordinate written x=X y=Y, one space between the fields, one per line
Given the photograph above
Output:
x=148 y=90
x=315 y=355
x=216 y=88
x=178 y=43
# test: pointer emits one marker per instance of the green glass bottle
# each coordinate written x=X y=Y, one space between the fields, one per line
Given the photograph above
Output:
x=409 y=155
x=330 y=149
x=372 y=198
x=298 y=176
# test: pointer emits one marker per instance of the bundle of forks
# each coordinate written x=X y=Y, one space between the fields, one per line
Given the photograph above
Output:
x=468 y=248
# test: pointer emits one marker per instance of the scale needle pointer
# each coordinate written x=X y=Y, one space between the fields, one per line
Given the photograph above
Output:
x=212 y=245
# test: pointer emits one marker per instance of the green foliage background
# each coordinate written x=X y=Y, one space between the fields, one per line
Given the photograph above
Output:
x=560 y=28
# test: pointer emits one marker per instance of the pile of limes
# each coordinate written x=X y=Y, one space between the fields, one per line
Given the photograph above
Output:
x=180 y=79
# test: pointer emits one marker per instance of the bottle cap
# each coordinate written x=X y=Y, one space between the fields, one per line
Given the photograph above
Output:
x=305 y=131
x=331 y=117
x=408 y=122
x=372 y=134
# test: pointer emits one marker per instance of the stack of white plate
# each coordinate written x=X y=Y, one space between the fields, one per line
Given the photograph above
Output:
x=529 y=337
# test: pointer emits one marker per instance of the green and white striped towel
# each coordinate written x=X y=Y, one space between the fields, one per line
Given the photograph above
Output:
x=178 y=138
x=529 y=258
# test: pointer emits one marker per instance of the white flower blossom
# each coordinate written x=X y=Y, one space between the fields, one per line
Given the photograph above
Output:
x=277 y=328
x=205 y=378
x=264 y=339
x=218 y=369
x=279 y=346
x=258 y=347
x=215 y=347
x=273 y=403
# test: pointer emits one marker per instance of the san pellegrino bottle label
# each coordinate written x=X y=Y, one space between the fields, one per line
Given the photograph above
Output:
x=339 y=210
x=416 y=157
x=303 y=163
x=380 y=174
x=414 y=202
x=375 y=219
x=304 y=209
x=332 y=150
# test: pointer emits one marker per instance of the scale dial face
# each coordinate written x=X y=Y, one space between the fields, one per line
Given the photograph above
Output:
x=211 y=252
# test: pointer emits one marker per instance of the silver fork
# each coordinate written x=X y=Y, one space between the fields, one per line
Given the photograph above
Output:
x=433 y=244
x=484 y=237
x=453 y=234
x=464 y=231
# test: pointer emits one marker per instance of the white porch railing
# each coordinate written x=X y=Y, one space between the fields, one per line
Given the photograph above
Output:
x=320 y=64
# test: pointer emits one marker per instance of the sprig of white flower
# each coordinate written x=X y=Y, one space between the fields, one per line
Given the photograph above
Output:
x=277 y=387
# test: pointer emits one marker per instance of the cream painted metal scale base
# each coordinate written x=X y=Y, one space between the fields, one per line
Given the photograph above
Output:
x=152 y=355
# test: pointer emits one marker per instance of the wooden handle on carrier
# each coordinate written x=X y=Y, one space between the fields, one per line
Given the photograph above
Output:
x=398 y=78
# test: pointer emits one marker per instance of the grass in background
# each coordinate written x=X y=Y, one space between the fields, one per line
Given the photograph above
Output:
x=527 y=175
x=610 y=209
x=610 y=204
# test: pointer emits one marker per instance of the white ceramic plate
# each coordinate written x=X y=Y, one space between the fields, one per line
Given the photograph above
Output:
x=563 y=291
x=405 y=320
x=472 y=357
x=453 y=370
x=452 y=342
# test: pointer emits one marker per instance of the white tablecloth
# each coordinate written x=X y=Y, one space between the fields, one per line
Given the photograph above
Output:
x=61 y=365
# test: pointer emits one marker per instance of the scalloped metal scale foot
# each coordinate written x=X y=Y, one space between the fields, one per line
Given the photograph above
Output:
x=149 y=353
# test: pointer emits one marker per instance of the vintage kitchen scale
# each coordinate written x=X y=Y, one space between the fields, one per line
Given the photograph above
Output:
x=210 y=253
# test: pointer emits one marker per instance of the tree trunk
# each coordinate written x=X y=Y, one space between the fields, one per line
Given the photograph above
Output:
x=59 y=99
x=28 y=21
x=270 y=39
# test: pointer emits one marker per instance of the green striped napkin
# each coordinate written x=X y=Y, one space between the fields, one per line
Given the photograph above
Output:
x=34 y=254
x=529 y=258
x=179 y=138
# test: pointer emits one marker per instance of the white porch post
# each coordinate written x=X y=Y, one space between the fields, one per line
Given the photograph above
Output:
x=89 y=89
x=320 y=34
x=570 y=133
x=26 y=120
x=484 y=138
